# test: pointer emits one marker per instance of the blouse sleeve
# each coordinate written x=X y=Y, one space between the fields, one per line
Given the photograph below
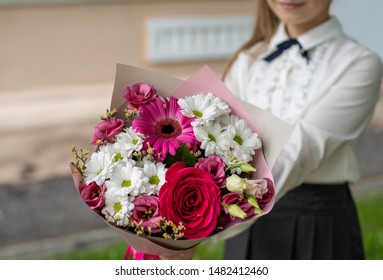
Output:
x=338 y=118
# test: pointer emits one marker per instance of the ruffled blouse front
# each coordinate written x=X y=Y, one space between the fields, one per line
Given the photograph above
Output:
x=282 y=85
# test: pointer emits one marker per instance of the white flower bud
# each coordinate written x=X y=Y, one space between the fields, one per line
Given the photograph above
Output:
x=236 y=184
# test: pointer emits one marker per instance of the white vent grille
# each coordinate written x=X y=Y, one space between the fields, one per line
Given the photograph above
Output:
x=179 y=40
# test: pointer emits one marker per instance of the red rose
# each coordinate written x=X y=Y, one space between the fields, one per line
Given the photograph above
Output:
x=93 y=195
x=107 y=130
x=139 y=94
x=190 y=196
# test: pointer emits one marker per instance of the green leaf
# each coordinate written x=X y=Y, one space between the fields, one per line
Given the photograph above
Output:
x=182 y=154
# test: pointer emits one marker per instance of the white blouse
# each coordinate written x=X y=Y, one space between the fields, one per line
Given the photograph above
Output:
x=329 y=99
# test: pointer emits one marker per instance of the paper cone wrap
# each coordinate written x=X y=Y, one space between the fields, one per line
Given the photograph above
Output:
x=272 y=131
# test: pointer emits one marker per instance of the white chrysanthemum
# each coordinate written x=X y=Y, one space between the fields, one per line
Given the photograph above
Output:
x=224 y=119
x=117 y=209
x=114 y=153
x=242 y=137
x=128 y=142
x=98 y=168
x=199 y=106
x=211 y=138
x=221 y=105
x=155 y=174
x=126 y=180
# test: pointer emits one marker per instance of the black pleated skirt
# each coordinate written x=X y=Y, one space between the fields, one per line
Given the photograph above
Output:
x=310 y=222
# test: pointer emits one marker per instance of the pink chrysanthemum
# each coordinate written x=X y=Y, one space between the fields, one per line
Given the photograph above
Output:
x=165 y=126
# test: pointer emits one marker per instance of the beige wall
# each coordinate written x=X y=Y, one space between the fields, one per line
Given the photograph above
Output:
x=80 y=44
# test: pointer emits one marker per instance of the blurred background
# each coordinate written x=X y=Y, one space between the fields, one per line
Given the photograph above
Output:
x=57 y=66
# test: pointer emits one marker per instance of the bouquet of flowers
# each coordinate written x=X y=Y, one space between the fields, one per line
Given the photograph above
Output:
x=174 y=169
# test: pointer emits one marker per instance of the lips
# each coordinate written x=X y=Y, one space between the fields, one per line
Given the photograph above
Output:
x=290 y=6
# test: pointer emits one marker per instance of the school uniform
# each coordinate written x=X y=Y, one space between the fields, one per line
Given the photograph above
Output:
x=326 y=85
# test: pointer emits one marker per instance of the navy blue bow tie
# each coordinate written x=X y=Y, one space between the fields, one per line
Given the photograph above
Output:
x=284 y=46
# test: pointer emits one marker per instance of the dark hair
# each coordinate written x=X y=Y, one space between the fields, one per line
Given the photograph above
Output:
x=266 y=25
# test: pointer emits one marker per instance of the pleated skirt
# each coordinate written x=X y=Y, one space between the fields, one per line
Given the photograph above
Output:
x=310 y=222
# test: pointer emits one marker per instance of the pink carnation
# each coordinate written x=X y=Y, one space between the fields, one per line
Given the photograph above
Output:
x=146 y=211
x=231 y=198
x=139 y=94
x=215 y=166
x=93 y=195
x=107 y=130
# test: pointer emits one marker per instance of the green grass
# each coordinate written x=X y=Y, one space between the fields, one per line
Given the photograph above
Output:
x=371 y=218
x=117 y=250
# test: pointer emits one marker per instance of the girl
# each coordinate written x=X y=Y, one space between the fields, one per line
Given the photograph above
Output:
x=300 y=66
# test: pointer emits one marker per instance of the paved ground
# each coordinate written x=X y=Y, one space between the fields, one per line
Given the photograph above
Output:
x=40 y=210
x=38 y=219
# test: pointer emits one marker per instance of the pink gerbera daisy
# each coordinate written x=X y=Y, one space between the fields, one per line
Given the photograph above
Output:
x=165 y=126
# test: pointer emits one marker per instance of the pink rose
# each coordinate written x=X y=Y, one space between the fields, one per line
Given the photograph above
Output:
x=93 y=195
x=146 y=211
x=257 y=188
x=139 y=94
x=215 y=166
x=267 y=196
x=231 y=198
x=107 y=130
x=190 y=196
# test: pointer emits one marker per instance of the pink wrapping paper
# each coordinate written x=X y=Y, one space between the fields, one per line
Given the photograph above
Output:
x=272 y=131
